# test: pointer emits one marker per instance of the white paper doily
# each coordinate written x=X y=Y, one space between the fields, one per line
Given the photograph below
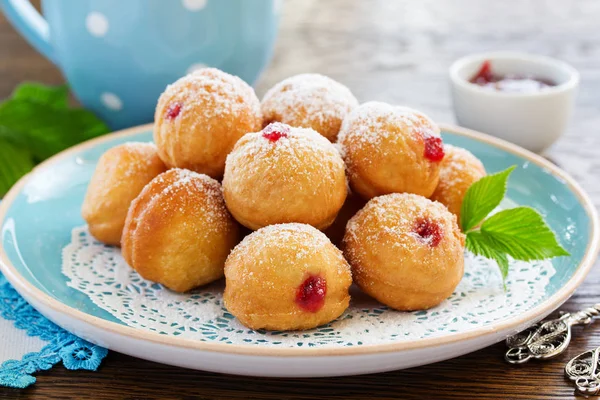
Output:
x=101 y=273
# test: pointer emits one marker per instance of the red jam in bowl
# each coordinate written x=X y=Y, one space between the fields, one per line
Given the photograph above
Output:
x=511 y=83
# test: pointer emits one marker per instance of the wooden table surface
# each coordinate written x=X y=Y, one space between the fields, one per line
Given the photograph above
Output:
x=397 y=52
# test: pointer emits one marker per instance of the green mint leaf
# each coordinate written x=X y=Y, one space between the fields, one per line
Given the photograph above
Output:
x=523 y=234
x=48 y=130
x=37 y=123
x=479 y=245
x=14 y=163
x=482 y=197
x=13 y=137
x=53 y=96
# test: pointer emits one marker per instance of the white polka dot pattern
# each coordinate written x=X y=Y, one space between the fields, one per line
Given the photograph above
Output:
x=194 y=5
x=96 y=24
x=111 y=101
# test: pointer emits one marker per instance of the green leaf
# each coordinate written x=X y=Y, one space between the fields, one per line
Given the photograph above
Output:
x=53 y=96
x=479 y=245
x=37 y=123
x=13 y=137
x=522 y=233
x=45 y=129
x=482 y=197
x=14 y=163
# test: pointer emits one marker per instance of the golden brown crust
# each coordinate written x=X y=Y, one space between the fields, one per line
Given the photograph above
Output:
x=263 y=274
x=298 y=178
x=216 y=110
x=459 y=170
x=178 y=231
x=396 y=265
x=120 y=175
x=383 y=147
x=309 y=101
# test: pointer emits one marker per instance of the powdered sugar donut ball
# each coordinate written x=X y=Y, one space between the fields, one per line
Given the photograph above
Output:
x=199 y=118
x=284 y=174
x=405 y=251
x=120 y=175
x=286 y=277
x=459 y=170
x=309 y=101
x=178 y=231
x=391 y=149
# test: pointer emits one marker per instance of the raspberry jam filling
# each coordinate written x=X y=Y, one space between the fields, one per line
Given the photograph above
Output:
x=434 y=148
x=429 y=231
x=516 y=83
x=311 y=293
x=275 y=131
x=174 y=110
x=484 y=75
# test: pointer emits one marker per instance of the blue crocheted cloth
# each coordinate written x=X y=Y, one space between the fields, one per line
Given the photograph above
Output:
x=75 y=353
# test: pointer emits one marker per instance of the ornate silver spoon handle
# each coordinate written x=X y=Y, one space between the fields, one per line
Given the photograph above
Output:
x=583 y=370
x=547 y=339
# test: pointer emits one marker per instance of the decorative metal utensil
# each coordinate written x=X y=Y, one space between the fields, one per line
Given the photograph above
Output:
x=584 y=371
x=547 y=339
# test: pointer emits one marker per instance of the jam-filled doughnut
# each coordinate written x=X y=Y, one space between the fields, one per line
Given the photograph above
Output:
x=405 y=251
x=459 y=170
x=309 y=101
x=199 y=118
x=178 y=231
x=391 y=149
x=286 y=277
x=120 y=175
x=284 y=174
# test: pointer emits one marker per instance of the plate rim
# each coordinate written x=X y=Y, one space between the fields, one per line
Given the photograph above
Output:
x=24 y=287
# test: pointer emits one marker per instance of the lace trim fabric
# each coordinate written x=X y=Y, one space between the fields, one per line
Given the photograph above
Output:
x=75 y=353
x=101 y=273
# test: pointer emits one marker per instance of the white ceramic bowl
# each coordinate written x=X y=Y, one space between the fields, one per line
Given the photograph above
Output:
x=531 y=120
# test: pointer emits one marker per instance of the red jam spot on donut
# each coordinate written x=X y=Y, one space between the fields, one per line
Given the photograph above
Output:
x=273 y=132
x=430 y=231
x=311 y=293
x=434 y=148
x=174 y=110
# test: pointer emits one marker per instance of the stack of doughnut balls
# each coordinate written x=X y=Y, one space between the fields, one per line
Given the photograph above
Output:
x=285 y=165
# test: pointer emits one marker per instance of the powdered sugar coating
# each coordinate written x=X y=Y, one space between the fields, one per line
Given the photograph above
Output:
x=179 y=182
x=297 y=141
x=211 y=92
x=266 y=271
x=300 y=177
x=280 y=233
x=214 y=109
x=368 y=123
x=301 y=239
x=394 y=262
x=458 y=167
x=139 y=147
x=384 y=150
x=178 y=231
x=309 y=100
x=393 y=217
x=459 y=170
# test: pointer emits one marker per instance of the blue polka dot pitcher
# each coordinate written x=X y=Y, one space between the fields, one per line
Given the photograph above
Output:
x=118 y=55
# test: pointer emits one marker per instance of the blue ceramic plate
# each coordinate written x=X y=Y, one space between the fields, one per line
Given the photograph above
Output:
x=40 y=219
